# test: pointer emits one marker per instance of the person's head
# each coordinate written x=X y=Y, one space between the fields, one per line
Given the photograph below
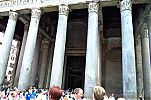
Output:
x=13 y=94
x=30 y=90
x=55 y=93
x=78 y=92
x=98 y=93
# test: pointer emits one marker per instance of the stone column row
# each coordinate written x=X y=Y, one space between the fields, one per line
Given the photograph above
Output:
x=21 y=55
x=6 y=45
x=27 y=59
x=93 y=65
x=92 y=76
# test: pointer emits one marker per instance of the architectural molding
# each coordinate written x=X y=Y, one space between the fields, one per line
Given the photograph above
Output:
x=23 y=6
x=125 y=5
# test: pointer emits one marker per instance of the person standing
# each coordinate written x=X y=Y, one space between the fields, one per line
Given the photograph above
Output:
x=30 y=95
x=98 y=93
x=55 y=93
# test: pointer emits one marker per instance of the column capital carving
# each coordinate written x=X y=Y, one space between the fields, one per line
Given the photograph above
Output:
x=63 y=9
x=13 y=15
x=144 y=31
x=125 y=5
x=93 y=7
x=36 y=13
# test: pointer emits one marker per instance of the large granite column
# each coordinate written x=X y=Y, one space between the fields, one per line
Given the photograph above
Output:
x=146 y=63
x=149 y=26
x=140 y=88
x=24 y=79
x=34 y=68
x=49 y=65
x=21 y=55
x=6 y=45
x=93 y=51
x=43 y=64
x=59 y=50
x=128 y=54
x=149 y=30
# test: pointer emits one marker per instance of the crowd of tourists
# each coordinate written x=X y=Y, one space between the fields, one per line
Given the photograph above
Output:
x=54 y=93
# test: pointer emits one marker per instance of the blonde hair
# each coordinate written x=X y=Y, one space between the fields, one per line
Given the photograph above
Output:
x=99 y=92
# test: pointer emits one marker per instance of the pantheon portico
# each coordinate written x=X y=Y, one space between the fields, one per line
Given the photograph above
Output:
x=79 y=43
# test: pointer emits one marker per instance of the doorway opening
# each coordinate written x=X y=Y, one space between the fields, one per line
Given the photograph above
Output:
x=74 y=72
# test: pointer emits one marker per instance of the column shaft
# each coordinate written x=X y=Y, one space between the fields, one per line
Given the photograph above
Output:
x=59 y=50
x=44 y=56
x=24 y=79
x=128 y=54
x=146 y=64
x=149 y=30
x=149 y=25
x=49 y=65
x=140 y=90
x=35 y=63
x=6 y=45
x=93 y=51
x=21 y=55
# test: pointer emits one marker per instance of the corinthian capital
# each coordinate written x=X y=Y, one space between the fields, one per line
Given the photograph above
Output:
x=13 y=15
x=63 y=9
x=144 y=31
x=93 y=7
x=36 y=13
x=126 y=5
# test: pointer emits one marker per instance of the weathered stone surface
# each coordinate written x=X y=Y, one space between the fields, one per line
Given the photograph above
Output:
x=24 y=79
x=6 y=47
x=128 y=52
x=59 y=50
x=92 y=70
x=146 y=63
x=50 y=5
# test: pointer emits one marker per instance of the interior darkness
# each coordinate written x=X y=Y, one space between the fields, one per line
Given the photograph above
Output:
x=111 y=22
x=75 y=72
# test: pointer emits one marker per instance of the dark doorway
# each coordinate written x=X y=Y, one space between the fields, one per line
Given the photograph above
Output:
x=75 y=72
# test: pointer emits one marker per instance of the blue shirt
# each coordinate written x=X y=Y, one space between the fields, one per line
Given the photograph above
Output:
x=30 y=96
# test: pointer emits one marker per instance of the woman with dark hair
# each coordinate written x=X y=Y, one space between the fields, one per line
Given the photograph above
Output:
x=55 y=93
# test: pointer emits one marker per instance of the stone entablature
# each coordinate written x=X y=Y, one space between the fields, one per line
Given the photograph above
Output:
x=29 y=4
